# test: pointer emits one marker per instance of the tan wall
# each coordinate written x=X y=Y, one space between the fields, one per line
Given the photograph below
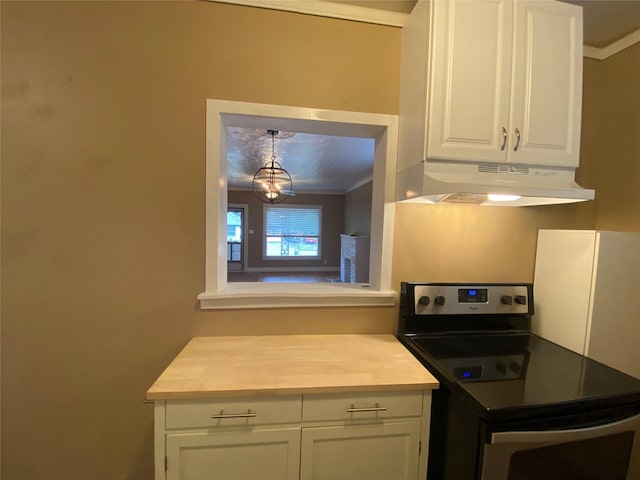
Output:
x=474 y=244
x=103 y=208
x=332 y=223
x=612 y=132
x=103 y=109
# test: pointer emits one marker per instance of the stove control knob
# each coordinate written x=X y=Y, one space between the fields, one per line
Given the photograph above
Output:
x=424 y=301
x=515 y=367
x=440 y=300
x=521 y=299
x=506 y=300
x=501 y=367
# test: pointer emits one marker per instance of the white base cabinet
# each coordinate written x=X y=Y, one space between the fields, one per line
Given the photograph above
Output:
x=240 y=455
x=343 y=436
x=371 y=452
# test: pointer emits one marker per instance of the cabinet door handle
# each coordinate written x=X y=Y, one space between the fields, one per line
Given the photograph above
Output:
x=517 y=140
x=249 y=414
x=504 y=138
x=377 y=408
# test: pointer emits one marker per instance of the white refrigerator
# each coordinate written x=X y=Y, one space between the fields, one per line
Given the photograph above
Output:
x=587 y=294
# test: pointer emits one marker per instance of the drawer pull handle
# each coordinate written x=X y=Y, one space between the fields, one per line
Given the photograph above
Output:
x=377 y=408
x=249 y=414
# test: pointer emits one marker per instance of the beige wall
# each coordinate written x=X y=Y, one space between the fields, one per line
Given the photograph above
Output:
x=103 y=207
x=332 y=222
x=103 y=110
x=474 y=244
x=612 y=136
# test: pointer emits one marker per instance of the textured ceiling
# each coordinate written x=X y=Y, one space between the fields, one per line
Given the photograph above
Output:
x=316 y=163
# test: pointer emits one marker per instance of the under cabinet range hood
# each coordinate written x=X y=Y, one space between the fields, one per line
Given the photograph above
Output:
x=437 y=182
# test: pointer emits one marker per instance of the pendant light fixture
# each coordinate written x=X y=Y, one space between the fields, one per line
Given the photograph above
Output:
x=272 y=183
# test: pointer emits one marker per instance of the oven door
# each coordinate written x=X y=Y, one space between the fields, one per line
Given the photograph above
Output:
x=605 y=452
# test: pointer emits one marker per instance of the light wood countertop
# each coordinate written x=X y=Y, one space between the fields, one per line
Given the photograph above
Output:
x=290 y=364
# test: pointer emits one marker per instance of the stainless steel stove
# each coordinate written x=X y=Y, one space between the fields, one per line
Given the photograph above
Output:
x=511 y=404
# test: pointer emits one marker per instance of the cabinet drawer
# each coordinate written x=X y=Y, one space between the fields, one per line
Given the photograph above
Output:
x=362 y=406
x=239 y=411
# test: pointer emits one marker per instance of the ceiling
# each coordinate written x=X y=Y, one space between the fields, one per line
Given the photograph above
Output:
x=330 y=164
x=316 y=163
x=605 y=21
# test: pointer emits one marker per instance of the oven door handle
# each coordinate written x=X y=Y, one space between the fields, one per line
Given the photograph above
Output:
x=561 y=436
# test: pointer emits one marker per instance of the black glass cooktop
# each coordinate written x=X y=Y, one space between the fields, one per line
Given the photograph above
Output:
x=521 y=371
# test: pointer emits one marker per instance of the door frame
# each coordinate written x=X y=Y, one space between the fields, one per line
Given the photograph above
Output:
x=245 y=232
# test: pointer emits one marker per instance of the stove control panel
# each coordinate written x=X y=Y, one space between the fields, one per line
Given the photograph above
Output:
x=449 y=299
x=505 y=367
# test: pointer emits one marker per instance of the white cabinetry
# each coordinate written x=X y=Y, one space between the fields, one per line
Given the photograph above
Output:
x=372 y=452
x=585 y=291
x=373 y=436
x=237 y=455
x=491 y=81
x=343 y=436
x=238 y=438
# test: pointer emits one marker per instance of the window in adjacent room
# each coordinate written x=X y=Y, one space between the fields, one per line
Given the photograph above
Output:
x=292 y=231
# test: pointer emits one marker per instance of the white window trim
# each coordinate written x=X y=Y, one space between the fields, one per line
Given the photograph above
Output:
x=293 y=257
x=218 y=293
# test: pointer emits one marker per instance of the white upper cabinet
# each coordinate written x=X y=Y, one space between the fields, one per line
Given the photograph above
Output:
x=471 y=74
x=546 y=91
x=491 y=81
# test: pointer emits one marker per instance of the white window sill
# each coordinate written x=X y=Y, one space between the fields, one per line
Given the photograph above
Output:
x=283 y=295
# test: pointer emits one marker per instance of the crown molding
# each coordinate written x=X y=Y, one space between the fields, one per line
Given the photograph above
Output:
x=612 y=48
x=328 y=9
x=354 y=13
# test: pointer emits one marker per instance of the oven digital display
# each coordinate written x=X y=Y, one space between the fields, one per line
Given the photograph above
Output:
x=472 y=295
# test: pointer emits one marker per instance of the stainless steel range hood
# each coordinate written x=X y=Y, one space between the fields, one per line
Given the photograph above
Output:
x=444 y=182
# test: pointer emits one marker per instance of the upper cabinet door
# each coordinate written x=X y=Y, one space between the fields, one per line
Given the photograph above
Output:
x=546 y=93
x=470 y=80
x=491 y=81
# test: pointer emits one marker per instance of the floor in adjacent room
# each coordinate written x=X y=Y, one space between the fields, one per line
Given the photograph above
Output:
x=296 y=277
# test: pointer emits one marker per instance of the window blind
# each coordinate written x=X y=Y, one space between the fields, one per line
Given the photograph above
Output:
x=293 y=221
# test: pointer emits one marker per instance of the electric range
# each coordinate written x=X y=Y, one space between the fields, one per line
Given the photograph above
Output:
x=509 y=400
